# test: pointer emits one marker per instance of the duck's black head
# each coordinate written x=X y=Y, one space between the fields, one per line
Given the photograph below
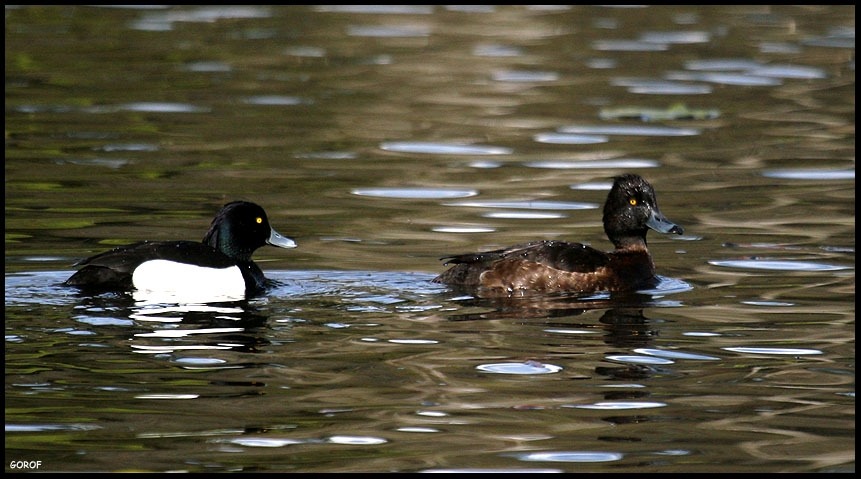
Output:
x=631 y=209
x=240 y=228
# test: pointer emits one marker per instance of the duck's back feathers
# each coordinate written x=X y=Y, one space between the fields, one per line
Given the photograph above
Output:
x=564 y=255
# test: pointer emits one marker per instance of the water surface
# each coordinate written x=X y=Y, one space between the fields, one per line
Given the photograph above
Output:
x=382 y=138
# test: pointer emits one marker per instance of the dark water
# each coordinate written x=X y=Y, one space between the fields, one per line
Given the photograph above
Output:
x=381 y=138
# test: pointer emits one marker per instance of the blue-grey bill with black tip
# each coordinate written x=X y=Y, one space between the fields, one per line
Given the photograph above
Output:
x=275 y=239
x=661 y=224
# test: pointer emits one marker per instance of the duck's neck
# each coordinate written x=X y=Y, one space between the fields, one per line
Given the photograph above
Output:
x=631 y=243
x=219 y=240
x=255 y=281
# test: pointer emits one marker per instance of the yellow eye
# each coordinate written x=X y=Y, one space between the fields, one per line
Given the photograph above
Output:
x=633 y=201
x=259 y=220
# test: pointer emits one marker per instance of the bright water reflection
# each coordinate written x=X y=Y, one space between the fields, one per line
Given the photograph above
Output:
x=385 y=137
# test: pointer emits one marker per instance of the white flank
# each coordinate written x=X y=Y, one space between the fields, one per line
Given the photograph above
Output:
x=165 y=281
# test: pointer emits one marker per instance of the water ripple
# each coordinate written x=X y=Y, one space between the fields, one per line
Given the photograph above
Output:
x=413 y=341
x=569 y=139
x=163 y=21
x=493 y=471
x=497 y=51
x=274 y=100
x=722 y=64
x=50 y=427
x=208 y=67
x=620 y=405
x=417 y=429
x=199 y=361
x=756 y=69
x=569 y=456
x=774 y=351
x=774 y=265
x=674 y=354
x=357 y=440
x=676 y=37
x=646 y=114
x=528 y=205
x=661 y=87
x=414 y=193
x=305 y=51
x=639 y=359
x=167 y=396
x=264 y=442
x=593 y=164
x=162 y=107
x=737 y=79
x=628 y=46
x=593 y=186
x=789 y=71
x=388 y=31
x=463 y=229
x=128 y=147
x=377 y=9
x=810 y=174
x=528 y=367
x=431 y=413
x=525 y=76
x=670 y=88
x=631 y=130
x=174 y=333
x=522 y=215
x=839 y=40
x=443 y=148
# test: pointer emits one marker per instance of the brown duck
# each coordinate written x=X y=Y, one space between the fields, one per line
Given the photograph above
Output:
x=551 y=266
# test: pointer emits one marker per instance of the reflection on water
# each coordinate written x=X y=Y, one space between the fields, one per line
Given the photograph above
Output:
x=383 y=138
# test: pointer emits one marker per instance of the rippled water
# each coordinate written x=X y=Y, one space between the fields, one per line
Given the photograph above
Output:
x=382 y=138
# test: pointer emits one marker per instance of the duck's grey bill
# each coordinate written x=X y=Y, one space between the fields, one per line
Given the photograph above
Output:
x=275 y=239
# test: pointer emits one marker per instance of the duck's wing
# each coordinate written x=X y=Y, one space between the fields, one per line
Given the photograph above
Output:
x=561 y=255
x=527 y=265
x=126 y=258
